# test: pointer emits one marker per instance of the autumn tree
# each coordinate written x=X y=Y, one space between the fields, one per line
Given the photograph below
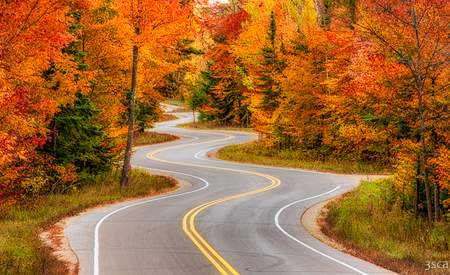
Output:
x=27 y=101
x=223 y=81
x=153 y=26
x=415 y=34
x=267 y=86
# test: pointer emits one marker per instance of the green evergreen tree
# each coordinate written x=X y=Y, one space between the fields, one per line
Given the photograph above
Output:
x=77 y=139
x=270 y=66
x=146 y=113
x=226 y=106
x=203 y=94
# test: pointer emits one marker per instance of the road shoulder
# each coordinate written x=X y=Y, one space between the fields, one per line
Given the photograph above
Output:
x=313 y=220
x=55 y=237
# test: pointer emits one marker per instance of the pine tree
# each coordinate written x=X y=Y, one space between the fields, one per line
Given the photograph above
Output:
x=146 y=113
x=203 y=94
x=270 y=66
x=77 y=139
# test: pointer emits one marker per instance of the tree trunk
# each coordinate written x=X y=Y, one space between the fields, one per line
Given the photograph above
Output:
x=127 y=162
x=417 y=195
x=419 y=82
x=437 y=205
x=54 y=136
x=424 y=160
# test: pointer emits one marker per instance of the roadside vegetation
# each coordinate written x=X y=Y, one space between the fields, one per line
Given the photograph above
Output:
x=346 y=86
x=260 y=153
x=176 y=102
x=167 y=117
x=147 y=138
x=21 y=251
x=333 y=89
x=372 y=223
x=212 y=125
x=21 y=221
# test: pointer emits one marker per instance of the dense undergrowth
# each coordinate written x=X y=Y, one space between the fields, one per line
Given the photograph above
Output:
x=212 y=125
x=151 y=138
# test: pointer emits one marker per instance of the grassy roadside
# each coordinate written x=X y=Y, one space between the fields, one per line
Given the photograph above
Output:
x=257 y=153
x=148 y=138
x=368 y=222
x=175 y=102
x=167 y=117
x=182 y=105
x=21 y=251
x=209 y=125
x=371 y=224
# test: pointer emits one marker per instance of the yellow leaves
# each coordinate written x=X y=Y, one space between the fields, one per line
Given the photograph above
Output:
x=405 y=167
x=441 y=160
x=358 y=134
x=405 y=176
x=302 y=12
x=33 y=186
x=67 y=174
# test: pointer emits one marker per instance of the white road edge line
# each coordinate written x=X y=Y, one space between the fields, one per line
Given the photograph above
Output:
x=276 y=219
x=277 y=216
x=99 y=223
x=277 y=223
x=197 y=156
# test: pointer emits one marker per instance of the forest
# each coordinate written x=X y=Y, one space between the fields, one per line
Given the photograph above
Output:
x=344 y=79
x=357 y=80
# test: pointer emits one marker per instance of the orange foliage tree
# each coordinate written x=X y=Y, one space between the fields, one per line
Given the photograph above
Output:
x=154 y=27
x=415 y=34
x=357 y=80
x=27 y=100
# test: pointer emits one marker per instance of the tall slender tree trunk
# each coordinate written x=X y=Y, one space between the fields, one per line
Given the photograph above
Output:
x=417 y=195
x=424 y=159
x=54 y=136
x=127 y=162
x=416 y=68
x=423 y=152
x=437 y=205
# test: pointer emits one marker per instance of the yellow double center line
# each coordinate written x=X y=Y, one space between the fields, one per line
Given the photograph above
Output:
x=189 y=219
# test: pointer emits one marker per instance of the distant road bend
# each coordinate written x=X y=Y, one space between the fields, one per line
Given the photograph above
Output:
x=226 y=218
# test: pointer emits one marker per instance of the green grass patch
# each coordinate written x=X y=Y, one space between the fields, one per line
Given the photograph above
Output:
x=371 y=220
x=175 y=102
x=182 y=105
x=258 y=153
x=21 y=251
x=211 y=125
x=148 y=138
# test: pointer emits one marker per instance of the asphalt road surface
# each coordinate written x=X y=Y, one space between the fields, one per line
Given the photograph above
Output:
x=226 y=218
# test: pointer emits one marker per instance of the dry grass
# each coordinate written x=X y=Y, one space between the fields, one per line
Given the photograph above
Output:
x=182 y=106
x=371 y=224
x=258 y=153
x=148 y=138
x=210 y=125
x=167 y=117
x=21 y=251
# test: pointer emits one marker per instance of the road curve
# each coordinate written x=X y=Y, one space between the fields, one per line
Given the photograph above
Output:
x=226 y=218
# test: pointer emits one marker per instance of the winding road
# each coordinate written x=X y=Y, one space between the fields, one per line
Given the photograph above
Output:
x=226 y=218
